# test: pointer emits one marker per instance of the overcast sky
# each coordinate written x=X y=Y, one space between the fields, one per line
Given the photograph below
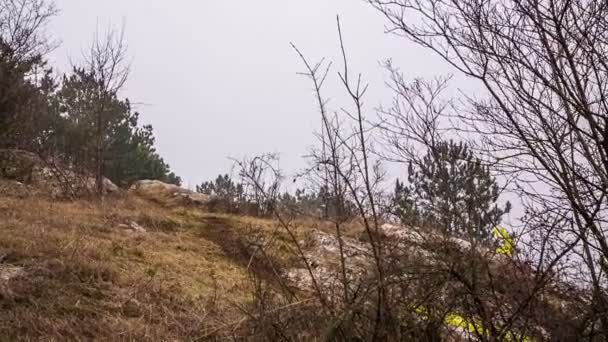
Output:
x=217 y=79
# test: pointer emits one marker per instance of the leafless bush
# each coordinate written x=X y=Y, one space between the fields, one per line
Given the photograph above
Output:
x=23 y=45
x=22 y=28
x=543 y=123
x=107 y=66
x=261 y=181
x=409 y=290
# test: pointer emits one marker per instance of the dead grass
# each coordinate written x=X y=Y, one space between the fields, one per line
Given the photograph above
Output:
x=85 y=278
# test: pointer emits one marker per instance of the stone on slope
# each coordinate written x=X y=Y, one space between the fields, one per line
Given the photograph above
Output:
x=155 y=187
x=49 y=176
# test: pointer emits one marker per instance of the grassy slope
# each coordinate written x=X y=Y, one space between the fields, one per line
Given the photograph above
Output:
x=84 y=277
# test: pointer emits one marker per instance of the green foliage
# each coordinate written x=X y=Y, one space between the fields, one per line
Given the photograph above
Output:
x=24 y=112
x=452 y=191
x=303 y=203
x=134 y=157
x=60 y=121
x=80 y=122
x=228 y=196
x=232 y=197
x=130 y=154
x=322 y=204
x=223 y=186
x=78 y=101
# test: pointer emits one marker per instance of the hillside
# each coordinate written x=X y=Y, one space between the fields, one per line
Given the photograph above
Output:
x=78 y=270
x=144 y=265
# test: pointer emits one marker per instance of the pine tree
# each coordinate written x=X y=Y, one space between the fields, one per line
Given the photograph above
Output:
x=23 y=100
x=24 y=73
x=129 y=152
x=452 y=191
x=228 y=195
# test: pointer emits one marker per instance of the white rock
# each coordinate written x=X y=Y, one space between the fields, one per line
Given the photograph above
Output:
x=402 y=233
x=132 y=226
x=153 y=185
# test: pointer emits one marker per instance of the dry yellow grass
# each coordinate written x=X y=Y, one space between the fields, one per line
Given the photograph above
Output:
x=78 y=273
x=86 y=278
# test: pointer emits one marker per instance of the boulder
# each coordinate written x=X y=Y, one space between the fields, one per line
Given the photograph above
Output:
x=193 y=197
x=89 y=184
x=66 y=183
x=109 y=186
x=147 y=185
x=49 y=176
x=182 y=196
x=133 y=226
x=18 y=165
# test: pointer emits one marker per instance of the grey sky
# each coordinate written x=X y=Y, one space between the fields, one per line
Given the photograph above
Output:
x=218 y=79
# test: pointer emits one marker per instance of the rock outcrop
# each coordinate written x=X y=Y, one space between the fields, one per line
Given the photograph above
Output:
x=149 y=186
x=323 y=253
x=59 y=181
x=155 y=188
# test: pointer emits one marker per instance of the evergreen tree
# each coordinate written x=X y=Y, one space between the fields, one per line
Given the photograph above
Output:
x=222 y=187
x=23 y=100
x=452 y=191
x=321 y=204
x=24 y=74
x=129 y=155
x=228 y=196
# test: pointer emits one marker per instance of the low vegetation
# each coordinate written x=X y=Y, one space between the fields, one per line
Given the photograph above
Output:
x=98 y=241
x=83 y=275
